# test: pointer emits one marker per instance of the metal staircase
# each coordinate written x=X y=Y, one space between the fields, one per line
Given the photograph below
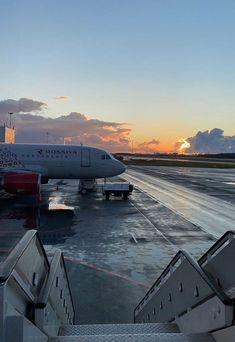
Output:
x=190 y=302
x=129 y=332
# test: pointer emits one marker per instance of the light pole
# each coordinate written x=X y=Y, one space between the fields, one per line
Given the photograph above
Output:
x=131 y=141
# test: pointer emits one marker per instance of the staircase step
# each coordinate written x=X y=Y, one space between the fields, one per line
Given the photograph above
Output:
x=115 y=329
x=162 y=337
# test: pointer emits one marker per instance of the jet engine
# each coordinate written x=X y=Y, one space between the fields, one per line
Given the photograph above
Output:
x=27 y=183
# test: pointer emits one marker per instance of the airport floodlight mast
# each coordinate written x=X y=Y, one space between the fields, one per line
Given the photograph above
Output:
x=131 y=142
x=10 y=114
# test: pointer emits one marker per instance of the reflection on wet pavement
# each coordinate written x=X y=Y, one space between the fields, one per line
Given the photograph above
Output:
x=212 y=214
x=54 y=203
x=113 y=249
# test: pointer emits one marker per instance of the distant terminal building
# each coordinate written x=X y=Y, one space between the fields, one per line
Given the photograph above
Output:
x=7 y=135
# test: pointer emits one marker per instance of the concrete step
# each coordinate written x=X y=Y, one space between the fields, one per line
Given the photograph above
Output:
x=162 y=337
x=116 y=329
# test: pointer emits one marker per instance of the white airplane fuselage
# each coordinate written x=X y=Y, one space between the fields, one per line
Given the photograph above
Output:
x=59 y=161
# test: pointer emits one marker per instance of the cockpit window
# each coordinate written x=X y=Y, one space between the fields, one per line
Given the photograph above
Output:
x=105 y=156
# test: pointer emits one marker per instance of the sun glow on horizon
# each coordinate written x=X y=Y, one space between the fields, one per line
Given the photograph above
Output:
x=185 y=145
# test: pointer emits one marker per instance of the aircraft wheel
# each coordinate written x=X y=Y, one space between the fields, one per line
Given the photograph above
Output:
x=125 y=196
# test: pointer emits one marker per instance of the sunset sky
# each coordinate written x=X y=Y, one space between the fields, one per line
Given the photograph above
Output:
x=143 y=73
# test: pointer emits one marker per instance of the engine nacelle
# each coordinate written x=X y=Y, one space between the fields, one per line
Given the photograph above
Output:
x=27 y=183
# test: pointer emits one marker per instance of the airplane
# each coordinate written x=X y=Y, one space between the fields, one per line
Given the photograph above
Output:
x=24 y=167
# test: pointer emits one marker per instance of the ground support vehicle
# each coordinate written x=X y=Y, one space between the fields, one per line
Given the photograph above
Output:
x=118 y=189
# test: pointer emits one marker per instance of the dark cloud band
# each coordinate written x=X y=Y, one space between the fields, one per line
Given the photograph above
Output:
x=20 y=106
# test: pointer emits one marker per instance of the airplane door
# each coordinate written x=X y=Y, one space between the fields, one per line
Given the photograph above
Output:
x=85 y=157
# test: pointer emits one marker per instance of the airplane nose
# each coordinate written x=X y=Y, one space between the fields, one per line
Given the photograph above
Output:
x=118 y=168
x=122 y=167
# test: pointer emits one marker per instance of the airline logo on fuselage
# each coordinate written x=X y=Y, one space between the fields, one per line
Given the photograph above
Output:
x=42 y=151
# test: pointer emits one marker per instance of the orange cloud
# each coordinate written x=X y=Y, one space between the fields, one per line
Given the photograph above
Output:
x=151 y=146
x=72 y=128
x=61 y=98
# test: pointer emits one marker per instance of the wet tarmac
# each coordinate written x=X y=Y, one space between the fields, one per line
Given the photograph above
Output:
x=218 y=183
x=203 y=197
x=115 y=249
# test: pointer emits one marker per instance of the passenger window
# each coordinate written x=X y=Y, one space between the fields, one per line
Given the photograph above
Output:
x=107 y=156
x=103 y=156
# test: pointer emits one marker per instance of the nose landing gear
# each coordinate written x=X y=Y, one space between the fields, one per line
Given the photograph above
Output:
x=87 y=185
